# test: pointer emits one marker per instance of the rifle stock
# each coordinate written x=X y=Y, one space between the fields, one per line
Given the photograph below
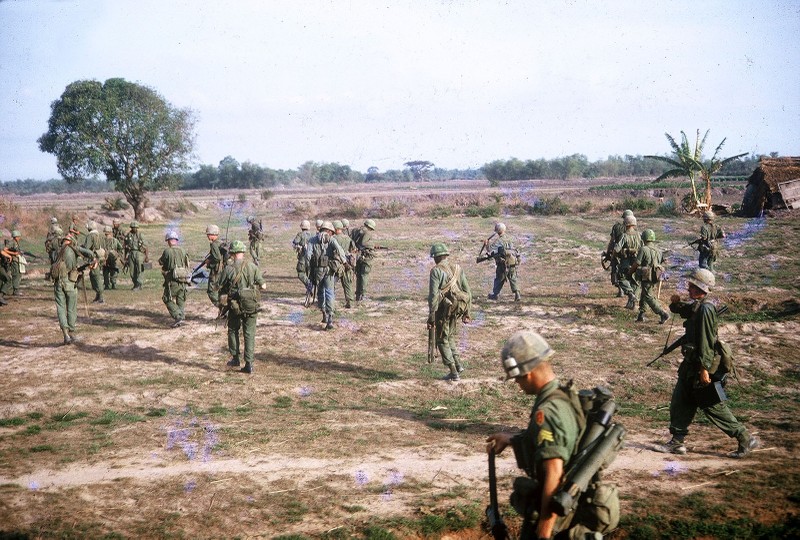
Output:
x=496 y=524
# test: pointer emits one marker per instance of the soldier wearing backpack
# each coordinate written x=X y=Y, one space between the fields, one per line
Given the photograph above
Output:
x=449 y=300
x=648 y=267
x=111 y=266
x=626 y=250
x=506 y=259
x=94 y=243
x=557 y=449
x=708 y=243
x=239 y=292
x=64 y=272
x=175 y=268
x=299 y=244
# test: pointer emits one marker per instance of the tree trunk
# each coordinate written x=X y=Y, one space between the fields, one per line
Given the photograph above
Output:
x=136 y=197
x=707 y=195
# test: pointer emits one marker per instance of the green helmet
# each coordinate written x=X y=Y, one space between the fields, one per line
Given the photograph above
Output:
x=627 y=213
x=346 y=222
x=212 y=229
x=649 y=235
x=108 y=229
x=702 y=279
x=337 y=224
x=523 y=352
x=370 y=224
x=438 y=249
x=629 y=220
x=134 y=225
x=318 y=223
x=237 y=246
x=15 y=233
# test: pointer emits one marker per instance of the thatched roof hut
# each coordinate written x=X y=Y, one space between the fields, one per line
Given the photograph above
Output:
x=762 y=191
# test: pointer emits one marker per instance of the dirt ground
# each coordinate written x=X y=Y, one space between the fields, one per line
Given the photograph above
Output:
x=140 y=431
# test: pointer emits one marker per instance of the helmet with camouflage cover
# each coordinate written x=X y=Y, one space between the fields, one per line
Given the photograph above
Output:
x=91 y=226
x=318 y=223
x=327 y=226
x=107 y=229
x=649 y=235
x=134 y=225
x=629 y=221
x=15 y=234
x=346 y=222
x=370 y=224
x=438 y=249
x=499 y=227
x=171 y=235
x=627 y=213
x=237 y=246
x=523 y=352
x=702 y=279
x=337 y=224
x=212 y=229
x=53 y=220
x=251 y=219
x=708 y=215
x=305 y=225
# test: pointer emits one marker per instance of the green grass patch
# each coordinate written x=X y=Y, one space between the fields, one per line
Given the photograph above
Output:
x=112 y=417
x=282 y=402
x=68 y=417
x=156 y=413
x=661 y=527
x=41 y=448
x=32 y=430
x=8 y=422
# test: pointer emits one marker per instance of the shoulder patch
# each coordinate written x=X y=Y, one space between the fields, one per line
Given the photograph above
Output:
x=539 y=417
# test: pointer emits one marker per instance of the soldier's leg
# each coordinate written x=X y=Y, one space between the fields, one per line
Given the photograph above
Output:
x=681 y=409
x=249 y=334
x=180 y=300
x=16 y=278
x=234 y=324
x=702 y=261
x=169 y=301
x=499 y=280
x=452 y=334
x=106 y=277
x=96 y=279
x=113 y=277
x=329 y=304
x=722 y=417
x=71 y=294
x=511 y=275
x=61 y=307
x=347 y=287
x=443 y=345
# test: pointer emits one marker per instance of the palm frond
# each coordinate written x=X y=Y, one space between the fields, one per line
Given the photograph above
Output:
x=673 y=144
x=665 y=159
x=701 y=144
x=672 y=173
x=714 y=157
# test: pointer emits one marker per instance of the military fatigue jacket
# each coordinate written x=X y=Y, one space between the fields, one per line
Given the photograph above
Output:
x=92 y=242
x=617 y=230
x=134 y=242
x=649 y=257
x=498 y=249
x=249 y=277
x=172 y=258
x=112 y=245
x=362 y=238
x=440 y=276
x=709 y=234
x=321 y=256
x=701 y=333
x=300 y=241
x=215 y=257
x=628 y=246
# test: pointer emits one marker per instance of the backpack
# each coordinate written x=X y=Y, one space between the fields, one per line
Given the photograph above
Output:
x=246 y=300
x=458 y=301
x=58 y=270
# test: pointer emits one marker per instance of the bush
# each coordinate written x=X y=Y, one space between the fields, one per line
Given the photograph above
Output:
x=549 y=207
x=267 y=194
x=668 y=208
x=584 y=208
x=391 y=209
x=638 y=204
x=485 y=211
x=114 y=203
x=440 y=212
x=242 y=197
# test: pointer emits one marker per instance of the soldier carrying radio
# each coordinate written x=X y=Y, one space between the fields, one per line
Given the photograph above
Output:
x=649 y=269
x=708 y=244
x=449 y=300
x=506 y=259
x=570 y=438
x=702 y=374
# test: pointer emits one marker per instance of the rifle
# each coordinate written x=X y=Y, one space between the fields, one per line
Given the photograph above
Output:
x=496 y=524
x=680 y=341
x=431 y=343
x=486 y=243
x=605 y=260
x=311 y=293
x=80 y=271
x=197 y=273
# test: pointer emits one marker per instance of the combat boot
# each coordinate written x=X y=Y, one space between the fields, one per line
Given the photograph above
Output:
x=233 y=362
x=747 y=444
x=631 y=301
x=329 y=323
x=674 y=446
x=248 y=368
x=453 y=375
x=517 y=297
x=3 y=301
x=640 y=318
x=619 y=293
x=491 y=296
x=664 y=317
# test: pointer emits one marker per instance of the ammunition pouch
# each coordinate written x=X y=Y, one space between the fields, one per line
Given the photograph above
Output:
x=73 y=275
x=524 y=453
x=248 y=300
x=526 y=496
x=182 y=274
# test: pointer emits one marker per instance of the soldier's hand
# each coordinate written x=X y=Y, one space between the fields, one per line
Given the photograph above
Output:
x=498 y=442
x=705 y=379
x=466 y=319
x=263 y=286
x=429 y=324
x=675 y=298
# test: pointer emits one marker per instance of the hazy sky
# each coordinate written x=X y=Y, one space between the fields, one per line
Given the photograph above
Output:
x=459 y=82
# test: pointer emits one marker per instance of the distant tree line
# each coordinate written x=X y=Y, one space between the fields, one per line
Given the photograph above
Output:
x=230 y=174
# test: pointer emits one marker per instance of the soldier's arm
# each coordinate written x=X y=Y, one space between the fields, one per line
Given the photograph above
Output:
x=684 y=309
x=434 y=286
x=706 y=335
x=552 y=471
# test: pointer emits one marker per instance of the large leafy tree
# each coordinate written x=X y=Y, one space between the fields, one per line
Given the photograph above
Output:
x=687 y=160
x=123 y=130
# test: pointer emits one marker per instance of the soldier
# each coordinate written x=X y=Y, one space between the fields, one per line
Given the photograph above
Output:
x=697 y=370
x=449 y=299
x=318 y=224
x=113 y=249
x=116 y=229
x=213 y=261
x=15 y=262
x=94 y=243
x=65 y=272
x=239 y=293
x=6 y=259
x=299 y=245
x=648 y=266
x=74 y=227
x=346 y=226
x=546 y=448
x=346 y=270
x=362 y=238
x=52 y=242
x=135 y=255
x=626 y=250
x=617 y=230
x=175 y=268
x=255 y=235
x=506 y=259
x=708 y=244
x=325 y=256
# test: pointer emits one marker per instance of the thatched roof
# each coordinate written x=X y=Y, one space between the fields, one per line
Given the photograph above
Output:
x=775 y=170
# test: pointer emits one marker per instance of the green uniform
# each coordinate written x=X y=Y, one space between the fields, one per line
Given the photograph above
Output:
x=444 y=318
x=255 y=235
x=647 y=258
x=362 y=238
x=93 y=242
x=15 y=272
x=52 y=243
x=117 y=232
x=5 y=277
x=299 y=244
x=214 y=263
x=626 y=250
x=135 y=254
x=698 y=352
x=174 y=296
x=506 y=260
x=708 y=245
x=617 y=230
x=346 y=273
x=113 y=262
x=325 y=258
x=64 y=288
x=235 y=278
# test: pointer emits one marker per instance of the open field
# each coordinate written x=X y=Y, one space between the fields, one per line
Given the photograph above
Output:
x=140 y=431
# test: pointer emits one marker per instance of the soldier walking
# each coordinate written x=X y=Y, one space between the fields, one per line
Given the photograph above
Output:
x=299 y=244
x=214 y=262
x=648 y=266
x=324 y=258
x=52 y=242
x=94 y=243
x=708 y=244
x=362 y=238
x=254 y=235
x=65 y=273
x=175 y=268
x=15 y=267
x=239 y=293
x=449 y=300
x=346 y=272
x=506 y=259
x=111 y=266
x=135 y=255
x=626 y=250
x=700 y=369
x=617 y=230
